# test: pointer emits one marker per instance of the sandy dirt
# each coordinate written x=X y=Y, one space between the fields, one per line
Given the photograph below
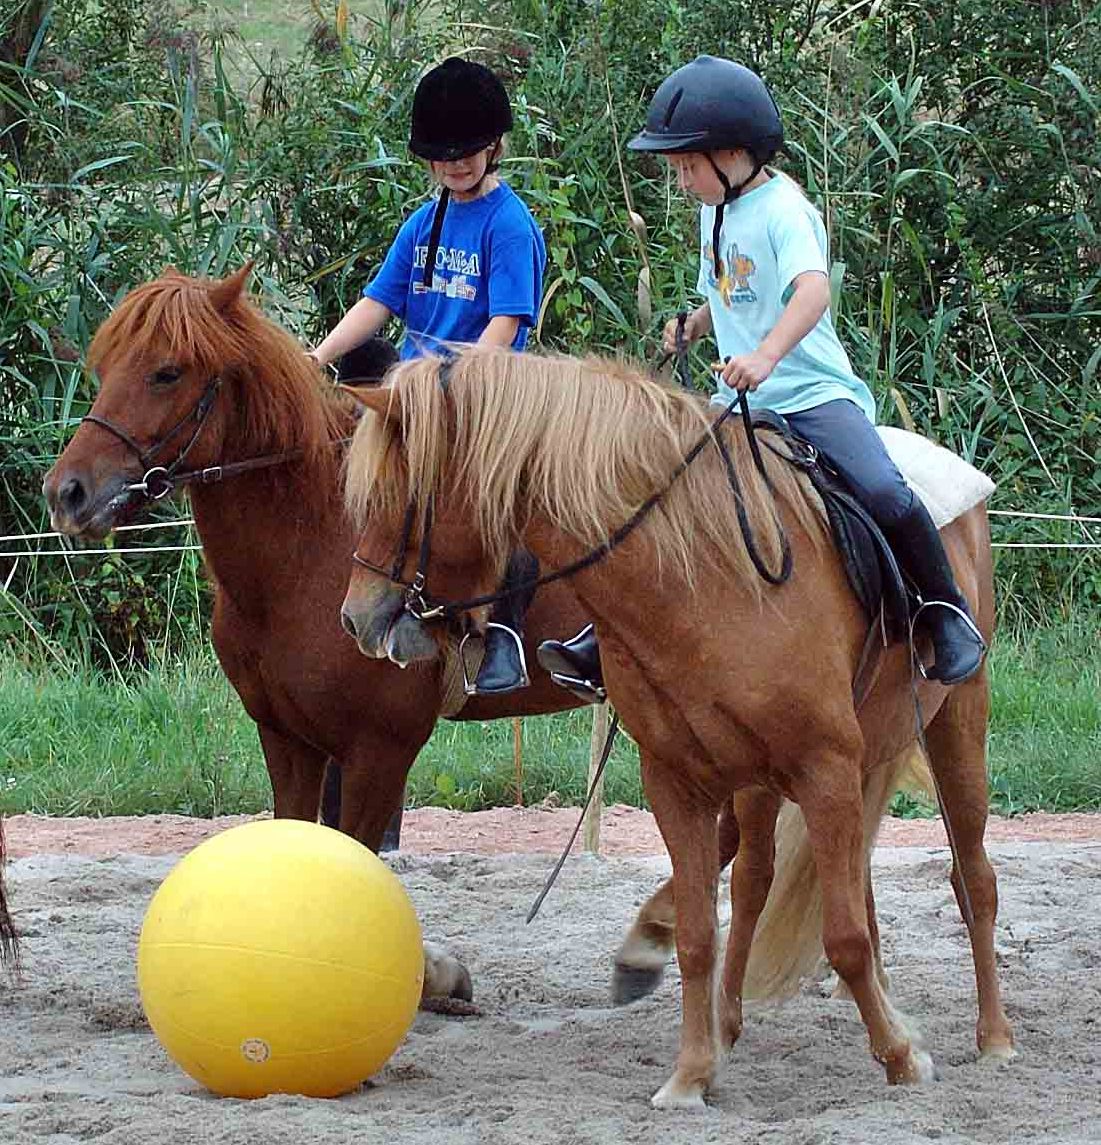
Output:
x=547 y=1059
x=502 y=831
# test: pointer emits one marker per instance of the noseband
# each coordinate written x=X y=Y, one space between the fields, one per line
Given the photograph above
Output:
x=160 y=480
x=422 y=606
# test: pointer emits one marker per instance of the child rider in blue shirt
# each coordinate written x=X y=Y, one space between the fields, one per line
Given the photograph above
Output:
x=466 y=267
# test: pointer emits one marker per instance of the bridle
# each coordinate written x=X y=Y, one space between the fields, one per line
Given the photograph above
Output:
x=422 y=606
x=160 y=480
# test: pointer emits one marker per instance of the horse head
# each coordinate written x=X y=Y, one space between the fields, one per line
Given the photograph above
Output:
x=191 y=375
x=419 y=543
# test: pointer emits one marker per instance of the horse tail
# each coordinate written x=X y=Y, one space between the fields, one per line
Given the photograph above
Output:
x=787 y=943
x=9 y=940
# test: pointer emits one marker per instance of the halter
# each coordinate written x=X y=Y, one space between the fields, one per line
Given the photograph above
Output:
x=422 y=606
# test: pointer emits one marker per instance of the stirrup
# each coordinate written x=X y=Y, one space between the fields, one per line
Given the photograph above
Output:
x=965 y=616
x=470 y=687
x=588 y=690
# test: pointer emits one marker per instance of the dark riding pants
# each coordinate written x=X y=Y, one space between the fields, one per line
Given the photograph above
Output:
x=841 y=432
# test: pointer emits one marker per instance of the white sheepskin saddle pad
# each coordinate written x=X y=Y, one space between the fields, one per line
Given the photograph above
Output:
x=946 y=484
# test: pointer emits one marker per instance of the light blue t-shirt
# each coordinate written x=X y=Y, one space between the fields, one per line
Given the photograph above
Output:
x=770 y=235
x=490 y=262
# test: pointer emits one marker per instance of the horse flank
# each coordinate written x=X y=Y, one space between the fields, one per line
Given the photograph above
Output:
x=274 y=391
x=583 y=441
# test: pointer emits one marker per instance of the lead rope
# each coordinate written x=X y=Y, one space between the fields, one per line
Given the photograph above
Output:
x=613 y=727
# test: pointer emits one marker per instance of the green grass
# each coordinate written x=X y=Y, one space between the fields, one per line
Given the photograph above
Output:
x=176 y=739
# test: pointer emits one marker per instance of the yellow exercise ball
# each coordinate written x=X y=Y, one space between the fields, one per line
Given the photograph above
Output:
x=280 y=957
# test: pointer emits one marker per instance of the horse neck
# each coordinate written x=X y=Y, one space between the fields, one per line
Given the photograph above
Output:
x=266 y=529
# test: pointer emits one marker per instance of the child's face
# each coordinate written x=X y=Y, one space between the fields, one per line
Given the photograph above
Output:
x=697 y=177
x=462 y=176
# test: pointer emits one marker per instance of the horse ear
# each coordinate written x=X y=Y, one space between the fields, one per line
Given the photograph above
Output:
x=228 y=290
x=171 y=272
x=379 y=399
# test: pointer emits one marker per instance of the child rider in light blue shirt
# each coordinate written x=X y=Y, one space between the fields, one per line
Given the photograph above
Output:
x=764 y=271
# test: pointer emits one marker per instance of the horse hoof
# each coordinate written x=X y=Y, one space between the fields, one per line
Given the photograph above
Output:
x=675 y=1095
x=918 y=1070
x=444 y=976
x=996 y=1052
x=630 y=983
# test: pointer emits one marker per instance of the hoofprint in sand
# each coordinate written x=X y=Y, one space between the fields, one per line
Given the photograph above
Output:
x=548 y=1059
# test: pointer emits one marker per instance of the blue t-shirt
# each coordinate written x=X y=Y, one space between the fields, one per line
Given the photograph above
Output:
x=490 y=262
x=770 y=235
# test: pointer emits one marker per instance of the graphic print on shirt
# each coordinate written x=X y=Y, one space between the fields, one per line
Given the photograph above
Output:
x=733 y=285
x=463 y=265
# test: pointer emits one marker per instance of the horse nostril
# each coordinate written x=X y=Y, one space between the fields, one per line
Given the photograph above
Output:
x=348 y=624
x=72 y=496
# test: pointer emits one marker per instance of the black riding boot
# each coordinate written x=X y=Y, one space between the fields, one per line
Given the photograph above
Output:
x=575 y=664
x=958 y=646
x=504 y=668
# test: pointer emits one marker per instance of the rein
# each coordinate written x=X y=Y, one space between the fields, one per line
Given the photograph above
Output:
x=423 y=607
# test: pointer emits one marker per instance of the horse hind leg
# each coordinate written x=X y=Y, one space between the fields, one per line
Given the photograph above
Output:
x=645 y=950
x=832 y=809
x=956 y=741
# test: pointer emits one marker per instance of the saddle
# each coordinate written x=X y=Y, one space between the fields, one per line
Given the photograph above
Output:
x=870 y=565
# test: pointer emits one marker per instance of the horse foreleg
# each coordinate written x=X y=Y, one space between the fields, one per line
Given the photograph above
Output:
x=641 y=957
x=829 y=795
x=756 y=811
x=372 y=786
x=330 y=808
x=295 y=770
x=956 y=740
x=689 y=827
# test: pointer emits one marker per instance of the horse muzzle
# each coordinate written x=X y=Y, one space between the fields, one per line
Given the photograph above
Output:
x=384 y=630
x=80 y=507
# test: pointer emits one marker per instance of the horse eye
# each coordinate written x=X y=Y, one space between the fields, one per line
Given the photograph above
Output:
x=165 y=376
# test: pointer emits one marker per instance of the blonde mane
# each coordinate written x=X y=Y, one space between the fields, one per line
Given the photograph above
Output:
x=273 y=398
x=582 y=441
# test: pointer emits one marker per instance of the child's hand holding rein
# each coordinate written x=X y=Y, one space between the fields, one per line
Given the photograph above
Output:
x=745 y=372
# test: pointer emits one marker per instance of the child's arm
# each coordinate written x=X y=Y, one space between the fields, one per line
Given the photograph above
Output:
x=501 y=331
x=366 y=318
x=810 y=299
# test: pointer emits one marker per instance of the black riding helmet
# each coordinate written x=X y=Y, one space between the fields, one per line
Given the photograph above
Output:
x=459 y=107
x=711 y=105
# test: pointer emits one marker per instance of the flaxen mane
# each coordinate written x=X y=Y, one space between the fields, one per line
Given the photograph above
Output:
x=583 y=441
x=276 y=397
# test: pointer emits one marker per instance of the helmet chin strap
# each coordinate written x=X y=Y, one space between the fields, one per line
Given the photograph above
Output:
x=730 y=192
x=434 y=235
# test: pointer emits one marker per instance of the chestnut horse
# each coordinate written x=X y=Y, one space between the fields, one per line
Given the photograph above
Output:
x=192 y=365
x=731 y=689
